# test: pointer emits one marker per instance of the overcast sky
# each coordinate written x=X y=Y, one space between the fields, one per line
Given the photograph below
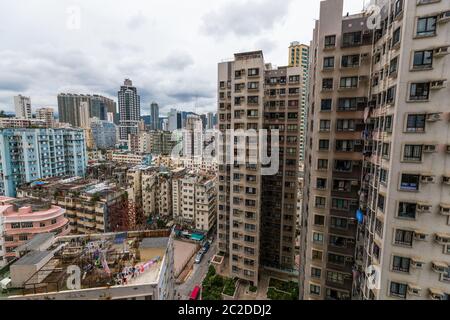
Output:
x=170 y=49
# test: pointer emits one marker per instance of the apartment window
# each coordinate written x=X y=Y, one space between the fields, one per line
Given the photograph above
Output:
x=381 y=202
x=316 y=273
x=15 y=225
x=328 y=63
x=324 y=145
x=407 y=210
x=319 y=220
x=393 y=66
x=321 y=202
x=336 y=259
x=23 y=237
x=345 y=145
x=327 y=84
x=419 y=91
x=404 y=238
x=410 y=182
x=386 y=147
x=352 y=39
x=396 y=36
x=253 y=100
x=350 y=61
x=321 y=184
x=343 y=165
x=347 y=104
x=26 y=224
x=339 y=223
x=326 y=105
x=413 y=153
x=322 y=164
x=330 y=41
x=426 y=26
x=253 y=72
x=253 y=85
x=423 y=59
x=317 y=255
x=314 y=289
x=342 y=185
x=398 y=290
x=325 y=125
x=416 y=123
x=340 y=204
x=345 y=125
x=349 y=82
x=335 y=277
x=318 y=237
x=294 y=79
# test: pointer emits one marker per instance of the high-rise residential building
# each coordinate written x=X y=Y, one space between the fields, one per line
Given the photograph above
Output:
x=299 y=57
x=175 y=122
x=339 y=83
x=405 y=198
x=193 y=137
x=69 y=107
x=210 y=121
x=47 y=115
x=104 y=134
x=22 y=106
x=129 y=110
x=380 y=134
x=154 y=113
x=256 y=212
x=29 y=154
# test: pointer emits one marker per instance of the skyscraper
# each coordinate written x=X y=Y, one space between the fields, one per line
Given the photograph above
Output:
x=154 y=112
x=129 y=110
x=299 y=57
x=256 y=212
x=210 y=120
x=377 y=169
x=22 y=107
x=69 y=107
x=339 y=84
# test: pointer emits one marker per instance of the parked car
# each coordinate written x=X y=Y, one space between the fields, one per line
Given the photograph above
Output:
x=199 y=257
x=206 y=247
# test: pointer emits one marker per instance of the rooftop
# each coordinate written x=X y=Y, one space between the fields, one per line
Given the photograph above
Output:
x=105 y=260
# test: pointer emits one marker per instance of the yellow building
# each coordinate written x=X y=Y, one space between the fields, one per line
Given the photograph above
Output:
x=298 y=55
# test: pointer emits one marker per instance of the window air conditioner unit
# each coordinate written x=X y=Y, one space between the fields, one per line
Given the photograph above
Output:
x=438 y=84
x=420 y=236
x=430 y=148
x=428 y=179
x=423 y=208
x=417 y=263
x=445 y=210
x=444 y=17
x=434 y=117
x=446 y=180
x=441 y=51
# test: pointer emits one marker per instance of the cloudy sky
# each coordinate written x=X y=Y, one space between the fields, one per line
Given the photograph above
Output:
x=170 y=49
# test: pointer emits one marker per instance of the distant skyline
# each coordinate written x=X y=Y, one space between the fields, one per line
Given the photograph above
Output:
x=47 y=52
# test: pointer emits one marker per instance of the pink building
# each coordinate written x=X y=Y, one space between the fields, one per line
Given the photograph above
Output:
x=25 y=218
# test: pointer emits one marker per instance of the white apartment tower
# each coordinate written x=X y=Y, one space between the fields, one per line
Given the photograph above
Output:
x=22 y=107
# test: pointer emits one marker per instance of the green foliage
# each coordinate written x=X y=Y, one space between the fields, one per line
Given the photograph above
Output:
x=214 y=285
x=282 y=290
x=253 y=289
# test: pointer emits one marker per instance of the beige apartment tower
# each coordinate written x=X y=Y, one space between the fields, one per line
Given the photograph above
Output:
x=378 y=170
x=256 y=212
x=339 y=84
